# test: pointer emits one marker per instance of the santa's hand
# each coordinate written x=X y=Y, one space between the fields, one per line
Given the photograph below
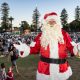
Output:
x=78 y=47
x=23 y=49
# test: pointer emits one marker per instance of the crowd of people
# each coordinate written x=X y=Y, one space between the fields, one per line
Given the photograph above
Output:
x=8 y=50
x=6 y=40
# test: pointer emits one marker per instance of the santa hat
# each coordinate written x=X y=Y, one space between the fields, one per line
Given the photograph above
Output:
x=52 y=15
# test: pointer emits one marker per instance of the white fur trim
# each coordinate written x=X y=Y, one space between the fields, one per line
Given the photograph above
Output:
x=75 y=49
x=58 y=76
x=52 y=17
x=40 y=76
x=54 y=49
x=54 y=54
x=32 y=44
x=54 y=68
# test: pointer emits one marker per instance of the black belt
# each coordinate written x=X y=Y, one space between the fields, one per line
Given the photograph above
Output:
x=50 y=60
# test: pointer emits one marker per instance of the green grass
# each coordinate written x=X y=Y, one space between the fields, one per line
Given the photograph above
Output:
x=27 y=67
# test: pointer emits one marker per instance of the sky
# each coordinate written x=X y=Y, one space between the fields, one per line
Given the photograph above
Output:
x=22 y=10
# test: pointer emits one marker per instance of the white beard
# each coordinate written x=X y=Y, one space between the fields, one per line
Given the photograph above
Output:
x=51 y=34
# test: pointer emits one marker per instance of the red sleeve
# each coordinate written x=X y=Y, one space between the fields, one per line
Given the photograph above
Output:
x=36 y=48
x=68 y=43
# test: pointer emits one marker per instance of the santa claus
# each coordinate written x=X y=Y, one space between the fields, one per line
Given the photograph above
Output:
x=52 y=44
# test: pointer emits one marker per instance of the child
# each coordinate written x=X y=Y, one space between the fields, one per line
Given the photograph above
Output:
x=2 y=72
x=26 y=38
x=10 y=74
x=14 y=56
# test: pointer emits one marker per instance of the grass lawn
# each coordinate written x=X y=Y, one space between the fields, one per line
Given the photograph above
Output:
x=28 y=66
x=75 y=65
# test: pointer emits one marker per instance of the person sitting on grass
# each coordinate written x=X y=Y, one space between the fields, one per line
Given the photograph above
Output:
x=10 y=74
x=2 y=72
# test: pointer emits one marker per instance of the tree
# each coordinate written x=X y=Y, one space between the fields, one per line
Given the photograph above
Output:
x=77 y=13
x=5 y=13
x=24 y=25
x=11 y=19
x=35 y=22
x=75 y=24
x=64 y=18
x=32 y=27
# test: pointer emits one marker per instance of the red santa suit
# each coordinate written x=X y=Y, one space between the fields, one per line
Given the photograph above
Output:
x=58 y=71
x=49 y=70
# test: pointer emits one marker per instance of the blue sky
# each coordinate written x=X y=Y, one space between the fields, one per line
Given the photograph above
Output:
x=23 y=9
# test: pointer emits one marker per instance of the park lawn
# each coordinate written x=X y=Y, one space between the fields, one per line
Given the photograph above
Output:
x=75 y=65
x=27 y=67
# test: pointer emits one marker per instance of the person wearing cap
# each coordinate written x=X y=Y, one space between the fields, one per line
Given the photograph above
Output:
x=52 y=44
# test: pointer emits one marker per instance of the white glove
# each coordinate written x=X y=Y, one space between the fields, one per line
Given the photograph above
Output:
x=78 y=47
x=23 y=49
